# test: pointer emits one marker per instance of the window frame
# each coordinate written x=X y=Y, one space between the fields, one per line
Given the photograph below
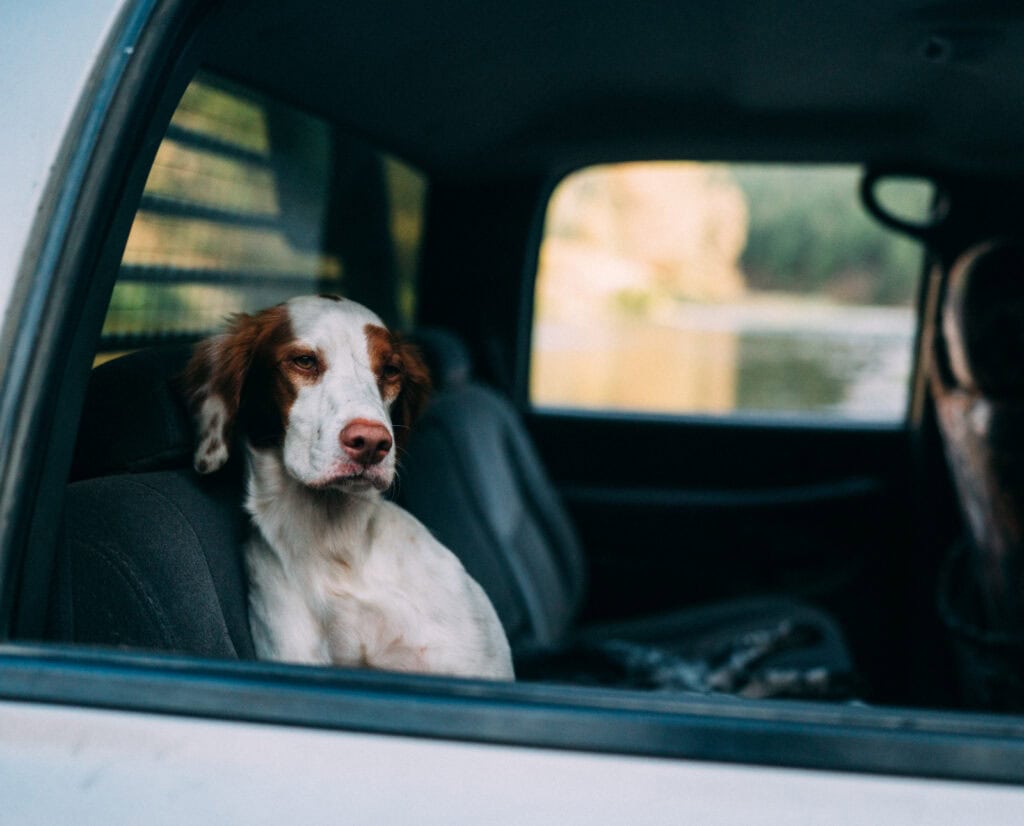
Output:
x=773 y=733
x=913 y=409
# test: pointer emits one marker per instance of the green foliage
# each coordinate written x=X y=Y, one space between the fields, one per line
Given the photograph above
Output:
x=635 y=303
x=808 y=233
x=146 y=308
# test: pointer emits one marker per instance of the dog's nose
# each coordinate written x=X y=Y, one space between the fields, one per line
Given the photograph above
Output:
x=366 y=442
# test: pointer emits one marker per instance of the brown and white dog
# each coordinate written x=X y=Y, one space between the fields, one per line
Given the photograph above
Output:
x=316 y=388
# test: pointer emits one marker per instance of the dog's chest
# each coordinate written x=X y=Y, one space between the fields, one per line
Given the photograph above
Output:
x=376 y=591
x=379 y=616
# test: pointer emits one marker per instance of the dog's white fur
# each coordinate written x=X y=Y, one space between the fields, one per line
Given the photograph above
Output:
x=337 y=574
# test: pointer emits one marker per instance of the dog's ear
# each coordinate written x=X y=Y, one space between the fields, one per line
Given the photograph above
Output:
x=415 y=392
x=213 y=384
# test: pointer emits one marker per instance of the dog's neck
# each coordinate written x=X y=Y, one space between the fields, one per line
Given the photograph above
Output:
x=297 y=520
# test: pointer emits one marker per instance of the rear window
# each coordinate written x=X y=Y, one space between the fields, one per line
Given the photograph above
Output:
x=250 y=202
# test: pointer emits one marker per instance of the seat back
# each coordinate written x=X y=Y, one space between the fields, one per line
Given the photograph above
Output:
x=978 y=386
x=473 y=477
x=152 y=552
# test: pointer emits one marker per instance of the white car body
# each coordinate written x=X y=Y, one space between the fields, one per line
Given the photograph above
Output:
x=63 y=765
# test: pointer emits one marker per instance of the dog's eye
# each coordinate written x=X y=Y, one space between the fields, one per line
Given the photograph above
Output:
x=304 y=362
x=391 y=371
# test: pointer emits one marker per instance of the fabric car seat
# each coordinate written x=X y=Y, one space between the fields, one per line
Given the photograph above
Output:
x=152 y=552
x=473 y=476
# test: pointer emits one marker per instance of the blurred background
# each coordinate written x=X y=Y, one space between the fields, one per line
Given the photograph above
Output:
x=682 y=287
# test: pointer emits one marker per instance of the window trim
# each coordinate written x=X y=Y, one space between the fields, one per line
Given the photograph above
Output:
x=777 y=733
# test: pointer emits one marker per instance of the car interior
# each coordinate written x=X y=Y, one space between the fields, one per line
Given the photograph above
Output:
x=412 y=160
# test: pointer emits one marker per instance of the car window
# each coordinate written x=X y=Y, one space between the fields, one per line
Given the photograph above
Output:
x=249 y=202
x=721 y=289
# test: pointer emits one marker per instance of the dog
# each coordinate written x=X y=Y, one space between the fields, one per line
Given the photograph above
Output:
x=316 y=389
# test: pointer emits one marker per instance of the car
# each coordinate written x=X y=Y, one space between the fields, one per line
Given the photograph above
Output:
x=721 y=306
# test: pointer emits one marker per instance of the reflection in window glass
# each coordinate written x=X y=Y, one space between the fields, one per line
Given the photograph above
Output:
x=216 y=231
x=678 y=287
x=250 y=202
x=407 y=193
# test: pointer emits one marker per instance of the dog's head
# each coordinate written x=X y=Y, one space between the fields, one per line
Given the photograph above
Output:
x=321 y=379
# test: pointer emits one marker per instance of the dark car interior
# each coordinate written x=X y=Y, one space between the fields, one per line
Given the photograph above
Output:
x=764 y=556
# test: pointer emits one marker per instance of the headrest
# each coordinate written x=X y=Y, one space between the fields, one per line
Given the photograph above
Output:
x=446 y=356
x=983 y=320
x=134 y=419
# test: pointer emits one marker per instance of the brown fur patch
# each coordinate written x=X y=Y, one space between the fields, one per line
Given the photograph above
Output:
x=244 y=368
x=272 y=384
x=402 y=376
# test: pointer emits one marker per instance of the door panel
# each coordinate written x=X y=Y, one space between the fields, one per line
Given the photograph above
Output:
x=676 y=512
x=61 y=764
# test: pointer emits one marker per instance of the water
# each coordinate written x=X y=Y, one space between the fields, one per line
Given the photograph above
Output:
x=765 y=355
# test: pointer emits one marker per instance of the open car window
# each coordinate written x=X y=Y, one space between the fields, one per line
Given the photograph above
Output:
x=724 y=290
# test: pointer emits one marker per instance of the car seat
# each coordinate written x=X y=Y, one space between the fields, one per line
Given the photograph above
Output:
x=473 y=477
x=977 y=381
x=152 y=552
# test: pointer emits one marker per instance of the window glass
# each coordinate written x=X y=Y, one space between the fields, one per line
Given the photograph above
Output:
x=407 y=190
x=249 y=202
x=679 y=287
